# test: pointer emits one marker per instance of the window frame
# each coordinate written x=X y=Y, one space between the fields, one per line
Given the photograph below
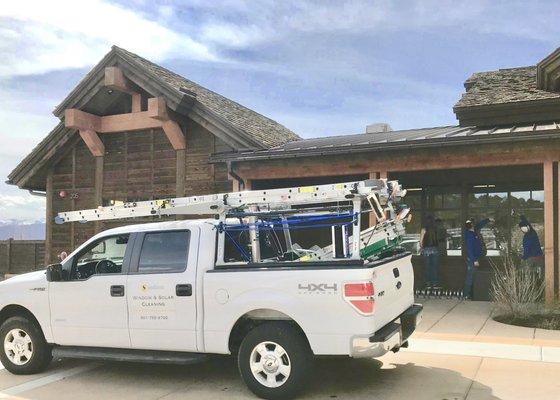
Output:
x=139 y=241
x=126 y=259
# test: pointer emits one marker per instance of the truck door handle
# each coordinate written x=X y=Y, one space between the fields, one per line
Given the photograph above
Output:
x=183 y=290
x=117 y=290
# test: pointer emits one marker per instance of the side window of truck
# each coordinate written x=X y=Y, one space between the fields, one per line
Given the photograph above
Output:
x=105 y=256
x=164 y=252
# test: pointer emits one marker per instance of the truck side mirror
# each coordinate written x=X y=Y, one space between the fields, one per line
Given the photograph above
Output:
x=54 y=273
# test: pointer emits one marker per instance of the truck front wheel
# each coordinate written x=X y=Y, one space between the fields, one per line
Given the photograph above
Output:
x=275 y=360
x=24 y=349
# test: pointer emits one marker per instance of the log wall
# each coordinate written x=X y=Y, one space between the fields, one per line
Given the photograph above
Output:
x=137 y=166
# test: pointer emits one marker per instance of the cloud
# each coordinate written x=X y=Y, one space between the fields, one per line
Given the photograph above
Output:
x=231 y=35
x=41 y=36
x=227 y=23
x=319 y=67
x=22 y=207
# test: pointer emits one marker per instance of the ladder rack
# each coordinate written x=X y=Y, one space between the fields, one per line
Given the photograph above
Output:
x=253 y=206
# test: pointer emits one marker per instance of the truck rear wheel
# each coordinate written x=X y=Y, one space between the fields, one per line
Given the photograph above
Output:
x=275 y=360
x=24 y=349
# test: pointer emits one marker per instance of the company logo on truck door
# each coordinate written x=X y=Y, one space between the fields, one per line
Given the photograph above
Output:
x=145 y=287
x=318 y=288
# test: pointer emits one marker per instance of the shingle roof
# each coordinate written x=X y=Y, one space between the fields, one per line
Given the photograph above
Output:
x=50 y=145
x=263 y=131
x=411 y=138
x=267 y=131
x=503 y=86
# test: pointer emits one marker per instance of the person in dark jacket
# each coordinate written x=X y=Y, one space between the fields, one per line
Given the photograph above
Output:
x=442 y=237
x=532 y=251
x=473 y=246
x=429 y=248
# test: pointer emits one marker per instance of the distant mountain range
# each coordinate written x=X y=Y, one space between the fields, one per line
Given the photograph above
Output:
x=22 y=230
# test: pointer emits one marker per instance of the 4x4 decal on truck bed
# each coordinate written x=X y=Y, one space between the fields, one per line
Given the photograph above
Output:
x=318 y=288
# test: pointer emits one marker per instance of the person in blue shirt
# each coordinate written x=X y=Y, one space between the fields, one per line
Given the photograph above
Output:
x=474 y=250
x=532 y=252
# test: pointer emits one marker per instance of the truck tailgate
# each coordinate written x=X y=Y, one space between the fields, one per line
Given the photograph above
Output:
x=393 y=282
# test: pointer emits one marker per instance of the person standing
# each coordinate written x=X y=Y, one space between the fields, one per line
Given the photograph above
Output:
x=442 y=238
x=532 y=252
x=429 y=249
x=473 y=246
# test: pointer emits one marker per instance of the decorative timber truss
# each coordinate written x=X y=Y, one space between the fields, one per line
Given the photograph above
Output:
x=156 y=116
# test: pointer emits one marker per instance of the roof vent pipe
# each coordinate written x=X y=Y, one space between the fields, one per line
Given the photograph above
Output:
x=380 y=127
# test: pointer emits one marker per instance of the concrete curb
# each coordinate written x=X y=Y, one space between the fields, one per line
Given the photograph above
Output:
x=525 y=352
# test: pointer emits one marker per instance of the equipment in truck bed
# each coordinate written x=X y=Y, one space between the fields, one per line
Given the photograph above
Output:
x=335 y=206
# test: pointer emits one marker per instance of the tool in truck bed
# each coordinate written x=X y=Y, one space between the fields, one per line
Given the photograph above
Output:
x=278 y=212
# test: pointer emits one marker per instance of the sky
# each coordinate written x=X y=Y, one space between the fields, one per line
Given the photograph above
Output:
x=318 y=67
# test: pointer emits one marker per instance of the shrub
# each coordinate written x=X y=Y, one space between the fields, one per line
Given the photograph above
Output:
x=516 y=291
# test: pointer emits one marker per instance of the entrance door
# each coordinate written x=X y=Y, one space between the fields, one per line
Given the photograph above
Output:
x=89 y=308
x=162 y=290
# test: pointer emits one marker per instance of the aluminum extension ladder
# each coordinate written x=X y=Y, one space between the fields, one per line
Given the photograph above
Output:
x=379 y=193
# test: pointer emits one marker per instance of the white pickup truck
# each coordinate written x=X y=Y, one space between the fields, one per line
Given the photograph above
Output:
x=154 y=293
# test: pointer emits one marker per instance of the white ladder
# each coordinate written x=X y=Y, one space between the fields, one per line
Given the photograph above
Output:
x=378 y=191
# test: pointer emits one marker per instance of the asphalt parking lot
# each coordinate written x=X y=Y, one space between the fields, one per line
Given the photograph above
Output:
x=405 y=375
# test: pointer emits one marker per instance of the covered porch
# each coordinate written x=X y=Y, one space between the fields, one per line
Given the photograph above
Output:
x=452 y=196
x=491 y=175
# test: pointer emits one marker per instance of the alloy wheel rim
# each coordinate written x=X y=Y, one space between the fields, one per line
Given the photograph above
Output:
x=18 y=346
x=270 y=364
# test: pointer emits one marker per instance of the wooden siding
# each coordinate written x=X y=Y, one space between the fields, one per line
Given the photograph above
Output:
x=73 y=174
x=138 y=165
x=202 y=177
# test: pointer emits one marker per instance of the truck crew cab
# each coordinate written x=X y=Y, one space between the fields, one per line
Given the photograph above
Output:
x=177 y=291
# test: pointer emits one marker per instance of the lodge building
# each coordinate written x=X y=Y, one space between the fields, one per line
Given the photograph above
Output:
x=132 y=130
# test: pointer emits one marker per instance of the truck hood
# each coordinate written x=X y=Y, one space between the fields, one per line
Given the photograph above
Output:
x=30 y=278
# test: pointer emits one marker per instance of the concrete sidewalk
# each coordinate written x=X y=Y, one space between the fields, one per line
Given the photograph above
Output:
x=467 y=328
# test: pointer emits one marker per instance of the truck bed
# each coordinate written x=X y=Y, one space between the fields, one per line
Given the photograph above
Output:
x=309 y=293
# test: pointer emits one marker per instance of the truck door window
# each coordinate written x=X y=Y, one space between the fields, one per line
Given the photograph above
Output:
x=104 y=256
x=164 y=252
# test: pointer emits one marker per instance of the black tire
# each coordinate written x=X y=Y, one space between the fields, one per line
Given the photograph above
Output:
x=299 y=358
x=41 y=354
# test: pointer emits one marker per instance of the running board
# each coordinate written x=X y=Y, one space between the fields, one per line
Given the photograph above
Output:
x=130 y=355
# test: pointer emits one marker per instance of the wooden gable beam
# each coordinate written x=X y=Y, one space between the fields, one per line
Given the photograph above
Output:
x=157 y=109
x=128 y=122
x=79 y=119
x=93 y=142
x=174 y=134
x=157 y=116
x=88 y=125
x=115 y=79
x=153 y=118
